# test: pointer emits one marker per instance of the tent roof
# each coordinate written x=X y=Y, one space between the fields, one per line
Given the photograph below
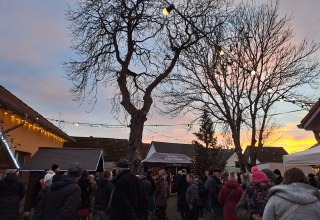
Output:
x=308 y=157
x=90 y=159
x=167 y=159
x=174 y=148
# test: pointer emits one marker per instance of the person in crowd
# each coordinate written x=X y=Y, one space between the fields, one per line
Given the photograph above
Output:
x=86 y=195
x=205 y=178
x=229 y=196
x=253 y=200
x=203 y=197
x=213 y=187
x=55 y=168
x=150 y=194
x=279 y=177
x=293 y=199
x=93 y=184
x=192 y=199
x=151 y=198
x=182 y=186
x=312 y=180
x=12 y=190
x=161 y=195
x=47 y=183
x=103 y=193
x=245 y=180
x=63 y=197
x=128 y=198
x=224 y=177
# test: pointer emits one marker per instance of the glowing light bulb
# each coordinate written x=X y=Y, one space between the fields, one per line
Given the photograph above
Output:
x=221 y=53
x=253 y=72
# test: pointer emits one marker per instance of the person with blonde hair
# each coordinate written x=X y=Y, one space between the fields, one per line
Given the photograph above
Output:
x=229 y=196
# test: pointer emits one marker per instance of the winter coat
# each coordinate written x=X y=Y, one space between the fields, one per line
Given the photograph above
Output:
x=192 y=195
x=61 y=200
x=257 y=197
x=86 y=193
x=229 y=197
x=150 y=193
x=242 y=209
x=278 y=179
x=283 y=197
x=213 y=187
x=162 y=192
x=12 y=190
x=103 y=192
x=182 y=187
x=129 y=199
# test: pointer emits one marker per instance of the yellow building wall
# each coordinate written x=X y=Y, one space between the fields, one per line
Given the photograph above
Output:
x=29 y=137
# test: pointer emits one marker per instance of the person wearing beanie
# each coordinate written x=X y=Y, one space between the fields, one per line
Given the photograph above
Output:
x=128 y=198
x=253 y=201
x=229 y=196
x=55 y=168
x=62 y=198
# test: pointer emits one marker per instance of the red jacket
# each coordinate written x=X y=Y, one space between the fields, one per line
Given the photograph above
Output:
x=229 y=196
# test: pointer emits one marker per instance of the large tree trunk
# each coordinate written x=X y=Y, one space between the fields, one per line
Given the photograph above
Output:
x=135 y=139
x=238 y=150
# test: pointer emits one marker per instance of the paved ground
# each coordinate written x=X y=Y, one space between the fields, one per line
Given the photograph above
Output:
x=172 y=212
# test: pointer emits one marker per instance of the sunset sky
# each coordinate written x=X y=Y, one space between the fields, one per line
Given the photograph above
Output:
x=35 y=41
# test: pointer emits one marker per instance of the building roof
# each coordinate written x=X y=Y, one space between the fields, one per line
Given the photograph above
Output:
x=176 y=148
x=312 y=120
x=15 y=105
x=226 y=154
x=267 y=154
x=89 y=159
x=167 y=159
x=114 y=149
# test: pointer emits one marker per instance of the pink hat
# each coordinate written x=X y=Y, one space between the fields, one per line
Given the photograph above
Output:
x=258 y=176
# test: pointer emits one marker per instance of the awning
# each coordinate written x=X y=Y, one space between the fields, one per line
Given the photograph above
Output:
x=167 y=159
x=310 y=157
x=90 y=159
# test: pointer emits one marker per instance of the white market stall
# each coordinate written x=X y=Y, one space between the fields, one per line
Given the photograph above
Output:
x=303 y=160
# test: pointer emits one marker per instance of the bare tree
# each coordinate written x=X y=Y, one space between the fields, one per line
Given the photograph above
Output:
x=241 y=70
x=132 y=46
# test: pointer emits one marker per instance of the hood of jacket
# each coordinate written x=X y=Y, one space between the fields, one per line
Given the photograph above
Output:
x=60 y=181
x=232 y=184
x=299 y=193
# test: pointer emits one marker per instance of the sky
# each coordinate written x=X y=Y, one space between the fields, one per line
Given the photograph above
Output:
x=35 y=42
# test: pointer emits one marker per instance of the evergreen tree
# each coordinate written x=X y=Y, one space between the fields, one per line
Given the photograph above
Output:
x=206 y=151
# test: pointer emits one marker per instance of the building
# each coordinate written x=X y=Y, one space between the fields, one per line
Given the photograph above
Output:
x=267 y=157
x=113 y=149
x=24 y=130
x=175 y=148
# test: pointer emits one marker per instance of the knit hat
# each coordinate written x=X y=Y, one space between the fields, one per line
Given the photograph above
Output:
x=54 y=166
x=269 y=174
x=48 y=179
x=258 y=176
x=75 y=170
x=123 y=163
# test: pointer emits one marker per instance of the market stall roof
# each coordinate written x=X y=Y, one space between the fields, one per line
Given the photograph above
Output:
x=167 y=159
x=90 y=159
x=309 y=157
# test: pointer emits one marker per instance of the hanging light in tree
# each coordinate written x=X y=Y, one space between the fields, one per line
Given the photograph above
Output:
x=219 y=50
x=270 y=91
x=253 y=72
x=166 y=11
x=281 y=99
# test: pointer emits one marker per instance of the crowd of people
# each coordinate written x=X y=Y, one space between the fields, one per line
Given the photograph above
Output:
x=122 y=195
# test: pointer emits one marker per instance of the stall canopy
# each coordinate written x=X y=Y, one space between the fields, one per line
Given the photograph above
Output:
x=310 y=157
x=90 y=159
x=167 y=159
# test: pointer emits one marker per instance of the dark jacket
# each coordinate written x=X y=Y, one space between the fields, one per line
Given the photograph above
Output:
x=61 y=201
x=129 y=200
x=182 y=187
x=242 y=209
x=213 y=186
x=192 y=194
x=162 y=192
x=229 y=197
x=104 y=189
x=12 y=190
